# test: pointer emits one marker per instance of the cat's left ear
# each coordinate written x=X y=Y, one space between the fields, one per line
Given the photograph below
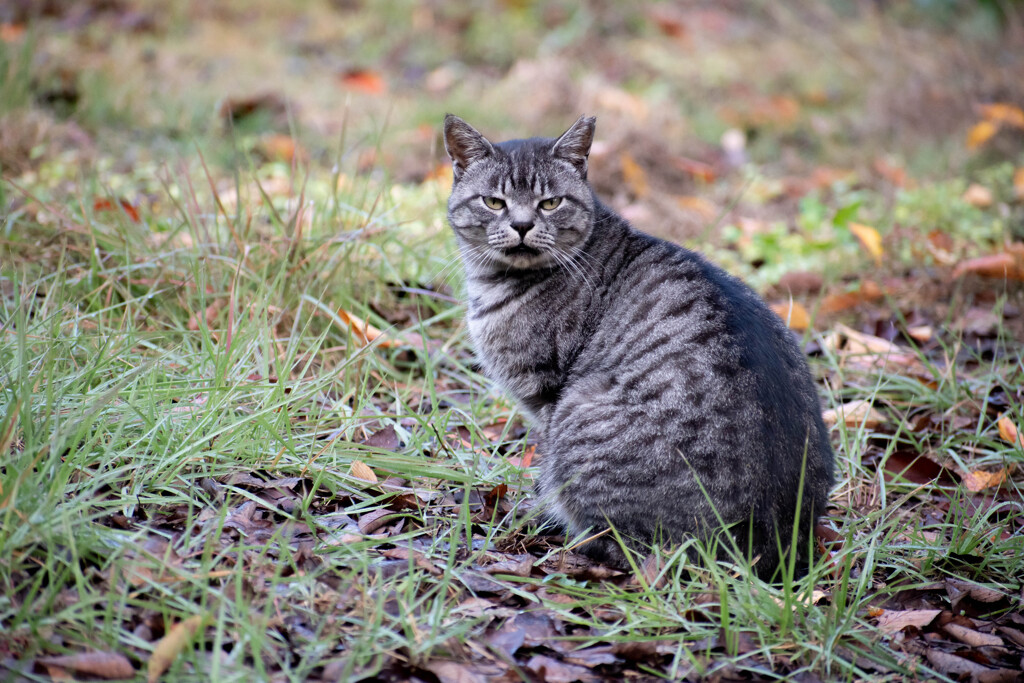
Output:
x=574 y=144
x=463 y=144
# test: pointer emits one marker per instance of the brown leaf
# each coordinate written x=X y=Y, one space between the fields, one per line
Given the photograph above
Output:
x=994 y=266
x=799 y=282
x=364 y=80
x=854 y=414
x=360 y=470
x=552 y=670
x=972 y=637
x=171 y=645
x=1003 y=112
x=385 y=439
x=280 y=147
x=375 y=519
x=107 y=665
x=793 y=314
x=455 y=672
x=835 y=303
x=916 y=468
x=1018 y=183
x=891 y=621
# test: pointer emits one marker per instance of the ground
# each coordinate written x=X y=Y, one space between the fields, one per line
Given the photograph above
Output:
x=242 y=433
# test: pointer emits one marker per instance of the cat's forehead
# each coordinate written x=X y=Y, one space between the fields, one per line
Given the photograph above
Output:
x=525 y=166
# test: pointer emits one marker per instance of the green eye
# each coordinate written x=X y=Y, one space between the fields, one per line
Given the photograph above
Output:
x=549 y=204
x=494 y=203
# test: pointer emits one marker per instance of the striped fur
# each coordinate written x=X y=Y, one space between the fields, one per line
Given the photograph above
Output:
x=666 y=394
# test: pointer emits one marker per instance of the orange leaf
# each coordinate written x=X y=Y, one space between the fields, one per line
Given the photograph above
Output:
x=1009 y=433
x=978 y=195
x=698 y=169
x=869 y=239
x=834 y=303
x=634 y=175
x=364 y=80
x=11 y=32
x=994 y=266
x=107 y=205
x=363 y=330
x=360 y=470
x=980 y=133
x=981 y=480
x=170 y=646
x=698 y=205
x=279 y=147
x=1002 y=112
x=1018 y=183
x=793 y=314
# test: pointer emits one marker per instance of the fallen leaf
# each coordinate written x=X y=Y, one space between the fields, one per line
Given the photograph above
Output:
x=109 y=665
x=455 y=672
x=1018 y=183
x=979 y=480
x=374 y=520
x=1002 y=112
x=10 y=33
x=280 y=147
x=921 y=333
x=793 y=314
x=1009 y=433
x=854 y=414
x=360 y=470
x=101 y=205
x=362 y=330
x=385 y=439
x=892 y=621
x=364 y=80
x=972 y=637
x=171 y=645
x=797 y=282
x=1004 y=265
x=980 y=133
x=698 y=205
x=553 y=670
x=978 y=195
x=634 y=176
x=859 y=342
x=869 y=239
x=916 y=468
x=835 y=303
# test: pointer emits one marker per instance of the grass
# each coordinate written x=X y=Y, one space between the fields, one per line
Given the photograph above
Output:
x=146 y=381
x=189 y=399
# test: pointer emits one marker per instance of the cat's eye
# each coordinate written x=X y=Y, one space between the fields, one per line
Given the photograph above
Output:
x=551 y=203
x=494 y=203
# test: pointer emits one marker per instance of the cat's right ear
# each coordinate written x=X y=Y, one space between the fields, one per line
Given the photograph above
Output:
x=463 y=144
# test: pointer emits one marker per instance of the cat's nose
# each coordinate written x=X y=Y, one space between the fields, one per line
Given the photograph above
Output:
x=522 y=228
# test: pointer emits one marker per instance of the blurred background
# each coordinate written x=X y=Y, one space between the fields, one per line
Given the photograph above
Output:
x=746 y=125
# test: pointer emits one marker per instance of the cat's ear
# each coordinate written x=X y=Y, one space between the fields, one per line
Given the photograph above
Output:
x=463 y=144
x=574 y=144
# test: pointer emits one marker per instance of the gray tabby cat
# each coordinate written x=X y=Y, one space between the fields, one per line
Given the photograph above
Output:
x=669 y=399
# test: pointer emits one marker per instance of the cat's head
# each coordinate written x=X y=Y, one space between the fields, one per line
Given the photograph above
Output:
x=521 y=203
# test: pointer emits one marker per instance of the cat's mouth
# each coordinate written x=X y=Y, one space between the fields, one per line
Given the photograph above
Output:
x=520 y=250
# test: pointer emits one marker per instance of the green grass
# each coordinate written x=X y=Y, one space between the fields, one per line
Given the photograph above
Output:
x=182 y=397
x=131 y=435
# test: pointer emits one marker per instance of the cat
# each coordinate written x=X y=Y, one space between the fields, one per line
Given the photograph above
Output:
x=669 y=399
